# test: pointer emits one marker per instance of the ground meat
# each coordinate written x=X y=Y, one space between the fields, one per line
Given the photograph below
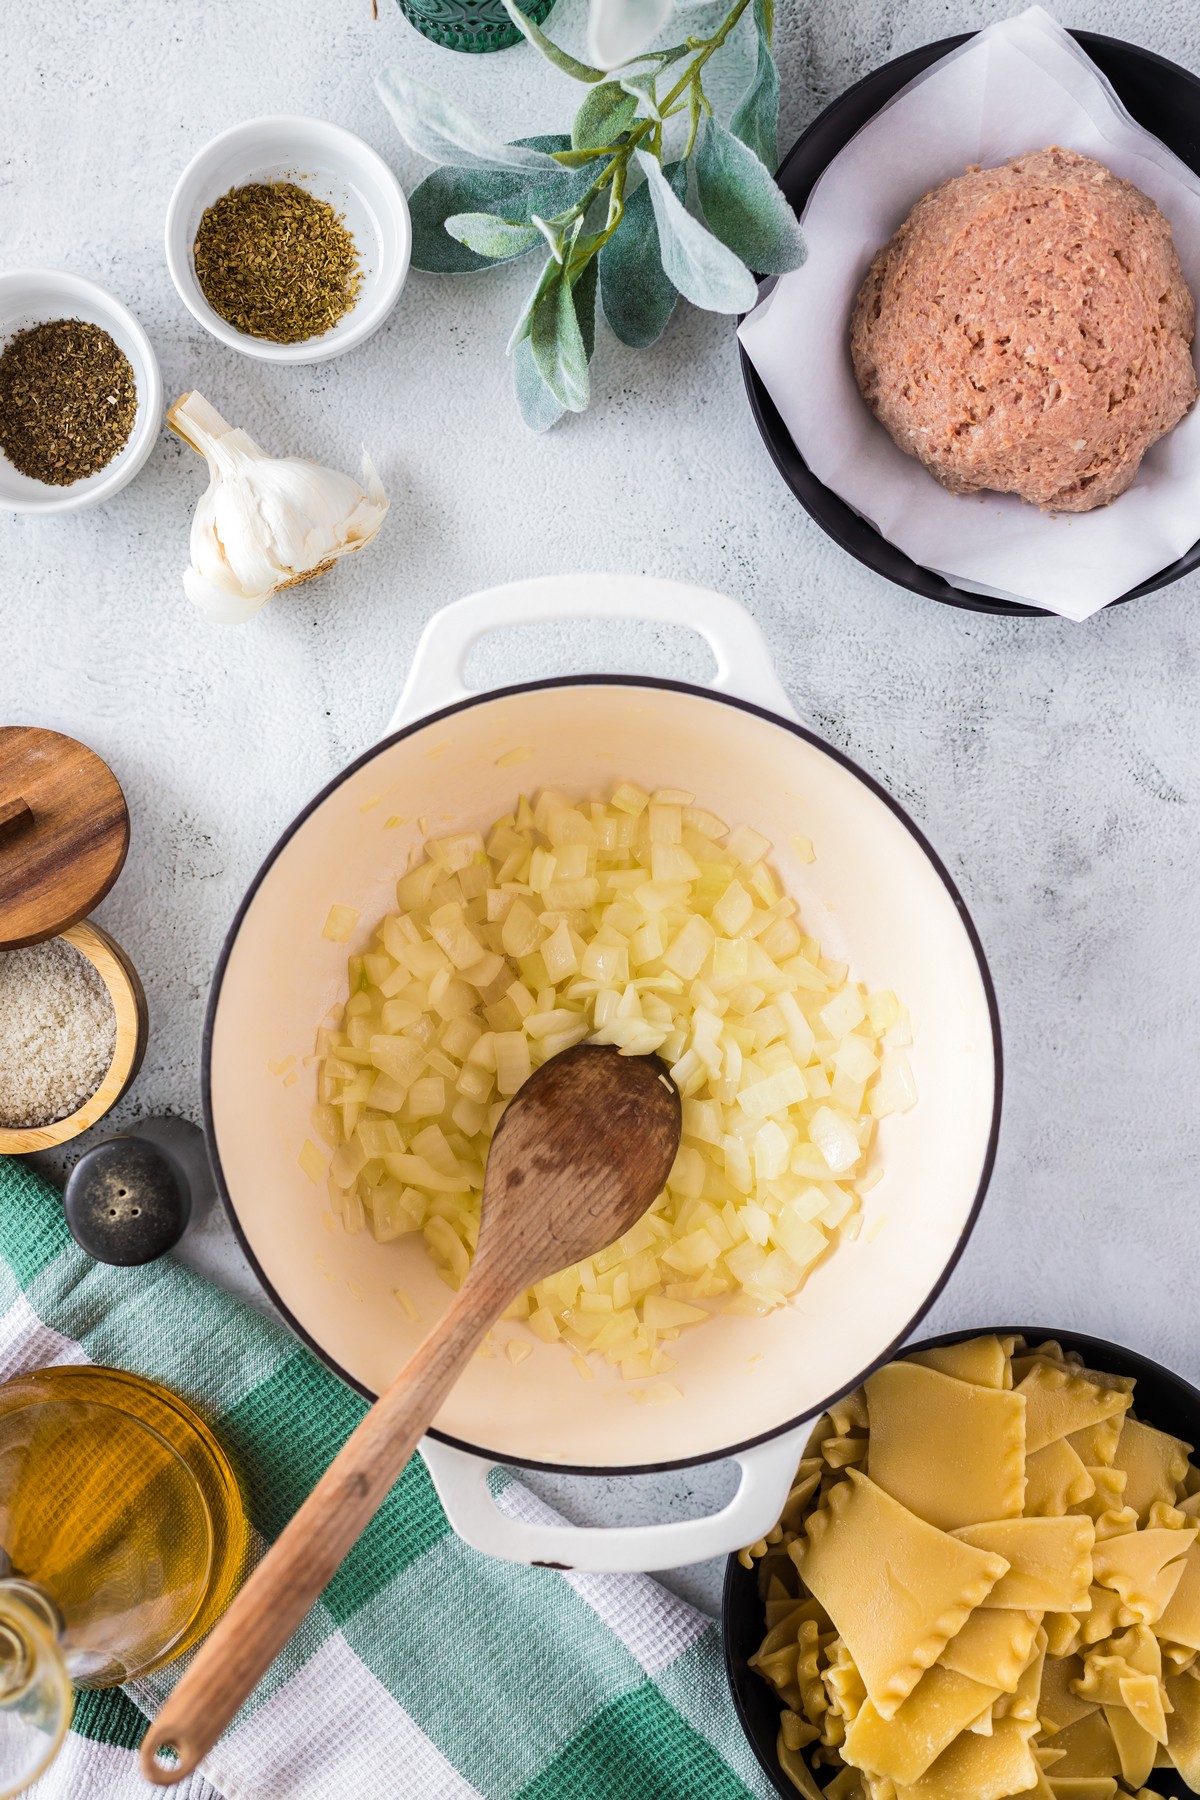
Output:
x=1028 y=329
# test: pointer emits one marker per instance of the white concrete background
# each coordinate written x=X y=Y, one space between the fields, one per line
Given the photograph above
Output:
x=1055 y=766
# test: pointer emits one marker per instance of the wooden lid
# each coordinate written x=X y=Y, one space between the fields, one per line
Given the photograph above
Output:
x=64 y=833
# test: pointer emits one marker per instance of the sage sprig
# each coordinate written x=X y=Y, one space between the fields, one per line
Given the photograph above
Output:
x=649 y=198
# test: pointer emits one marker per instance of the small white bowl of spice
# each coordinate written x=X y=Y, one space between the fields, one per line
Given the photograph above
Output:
x=289 y=238
x=80 y=393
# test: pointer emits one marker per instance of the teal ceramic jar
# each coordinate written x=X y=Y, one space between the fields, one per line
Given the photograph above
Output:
x=471 y=25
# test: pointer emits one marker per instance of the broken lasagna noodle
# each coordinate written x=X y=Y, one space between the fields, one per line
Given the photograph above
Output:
x=986 y=1583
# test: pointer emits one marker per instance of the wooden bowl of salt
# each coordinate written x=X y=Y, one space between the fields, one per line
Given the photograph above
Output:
x=73 y=1019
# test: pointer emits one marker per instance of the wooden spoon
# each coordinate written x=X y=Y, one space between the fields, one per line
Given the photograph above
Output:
x=577 y=1158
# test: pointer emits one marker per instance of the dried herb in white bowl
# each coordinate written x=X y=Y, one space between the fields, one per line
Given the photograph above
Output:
x=276 y=262
x=67 y=401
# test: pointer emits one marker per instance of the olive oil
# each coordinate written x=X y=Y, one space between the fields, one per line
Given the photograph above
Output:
x=119 y=1505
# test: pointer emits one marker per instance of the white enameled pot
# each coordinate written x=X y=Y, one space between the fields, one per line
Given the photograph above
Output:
x=875 y=895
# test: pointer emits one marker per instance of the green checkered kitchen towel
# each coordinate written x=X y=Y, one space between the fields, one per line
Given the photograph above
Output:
x=426 y=1671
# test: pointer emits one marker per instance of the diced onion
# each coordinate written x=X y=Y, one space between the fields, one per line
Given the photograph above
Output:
x=339 y=925
x=647 y=924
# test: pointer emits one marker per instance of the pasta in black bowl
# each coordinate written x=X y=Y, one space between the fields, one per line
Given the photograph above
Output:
x=986 y=1583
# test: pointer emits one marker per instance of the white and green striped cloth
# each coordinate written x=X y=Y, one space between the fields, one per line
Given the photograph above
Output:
x=426 y=1670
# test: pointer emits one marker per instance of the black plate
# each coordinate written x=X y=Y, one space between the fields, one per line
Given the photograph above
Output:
x=1160 y=95
x=1162 y=1399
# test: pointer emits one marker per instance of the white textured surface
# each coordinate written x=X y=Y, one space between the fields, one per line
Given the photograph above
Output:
x=1055 y=766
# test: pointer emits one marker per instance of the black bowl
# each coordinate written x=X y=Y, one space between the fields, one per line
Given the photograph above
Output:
x=1159 y=94
x=1162 y=1399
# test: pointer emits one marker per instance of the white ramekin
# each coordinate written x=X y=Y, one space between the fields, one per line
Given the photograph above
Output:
x=34 y=296
x=331 y=163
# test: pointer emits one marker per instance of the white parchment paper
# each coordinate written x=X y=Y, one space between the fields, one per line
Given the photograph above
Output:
x=1018 y=86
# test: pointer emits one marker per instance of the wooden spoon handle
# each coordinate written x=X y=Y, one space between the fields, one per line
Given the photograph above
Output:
x=312 y=1546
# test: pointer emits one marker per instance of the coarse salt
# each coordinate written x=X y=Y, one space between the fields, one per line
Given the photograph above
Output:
x=58 y=1032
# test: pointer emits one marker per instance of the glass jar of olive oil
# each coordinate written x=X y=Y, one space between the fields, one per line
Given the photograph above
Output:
x=123 y=1537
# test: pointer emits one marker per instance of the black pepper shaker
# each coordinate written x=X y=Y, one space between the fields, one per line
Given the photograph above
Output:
x=130 y=1199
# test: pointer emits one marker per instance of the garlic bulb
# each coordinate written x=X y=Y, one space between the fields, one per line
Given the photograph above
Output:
x=266 y=522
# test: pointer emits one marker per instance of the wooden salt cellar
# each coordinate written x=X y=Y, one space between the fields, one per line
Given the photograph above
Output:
x=64 y=835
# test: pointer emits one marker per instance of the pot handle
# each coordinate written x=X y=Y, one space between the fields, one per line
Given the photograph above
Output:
x=767 y=1473
x=744 y=666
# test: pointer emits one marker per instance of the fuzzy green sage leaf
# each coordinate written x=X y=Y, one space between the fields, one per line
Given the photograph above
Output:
x=557 y=345
x=641 y=88
x=538 y=407
x=704 y=270
x=551 y=273
x=637 y=295
x=619 y=30
x=606 y=112
x=560 y=234
x=569 y=65
x=510 y=194
x=436 y=128
x=491 y=237
x=742 y=204
x=585 y=285
x=756 y=117
x=662 y=59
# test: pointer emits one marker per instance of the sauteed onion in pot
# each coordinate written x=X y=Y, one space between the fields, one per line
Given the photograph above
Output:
x=646 y=923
